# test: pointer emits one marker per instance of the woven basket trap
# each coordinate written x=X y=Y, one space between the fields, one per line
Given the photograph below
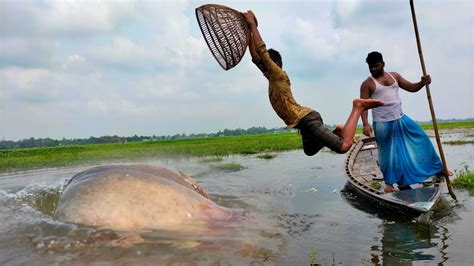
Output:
x=225 y=31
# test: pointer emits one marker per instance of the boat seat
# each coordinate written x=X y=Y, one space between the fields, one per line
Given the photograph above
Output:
x=377 y=177
x=369 y=147
x=428 y=180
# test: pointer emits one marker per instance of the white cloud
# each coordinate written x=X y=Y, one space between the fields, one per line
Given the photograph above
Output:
x=346 y=8
x=82 y=68
x=64 y=18
x=122 y=52
x=27 y=52
x=188 y=53
x=319 y=39
x=96 y=105
x=26 y=84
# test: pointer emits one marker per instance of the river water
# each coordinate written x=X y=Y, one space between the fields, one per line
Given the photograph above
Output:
x=297 y=212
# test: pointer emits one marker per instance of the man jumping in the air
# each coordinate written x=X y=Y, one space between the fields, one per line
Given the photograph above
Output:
x=314 y=134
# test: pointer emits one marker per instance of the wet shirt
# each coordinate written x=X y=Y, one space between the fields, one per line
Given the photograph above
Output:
x=279 y=89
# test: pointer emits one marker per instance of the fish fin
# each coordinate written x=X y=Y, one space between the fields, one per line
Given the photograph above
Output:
x=193 y=184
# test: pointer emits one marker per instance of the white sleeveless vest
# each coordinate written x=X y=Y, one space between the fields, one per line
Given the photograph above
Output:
x=392 y=108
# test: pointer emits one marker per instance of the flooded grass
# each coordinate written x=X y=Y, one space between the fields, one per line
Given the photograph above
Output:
x=266 y=156
x=39 y=158
x=468 y=124
x=465 y=181
x=313 y=257
x=212 y=160
x=458 y=142
x=36 y=158
x=228 y=167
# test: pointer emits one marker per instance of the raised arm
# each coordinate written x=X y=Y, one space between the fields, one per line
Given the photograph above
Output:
x=412 y=87
x=252 y=23
x=252 y=44
x=262 y=58
x=253 y=49
x=255 y=34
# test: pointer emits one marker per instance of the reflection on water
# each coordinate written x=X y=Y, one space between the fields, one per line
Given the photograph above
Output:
x=405 y=243
x=408 y=240
x=294 y=209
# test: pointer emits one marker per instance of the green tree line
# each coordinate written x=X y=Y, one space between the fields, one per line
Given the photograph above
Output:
x=48 y=142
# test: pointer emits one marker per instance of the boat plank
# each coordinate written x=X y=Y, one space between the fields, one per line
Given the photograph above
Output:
x=363 y=172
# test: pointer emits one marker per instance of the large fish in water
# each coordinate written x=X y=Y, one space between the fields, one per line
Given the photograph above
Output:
x=136 y=197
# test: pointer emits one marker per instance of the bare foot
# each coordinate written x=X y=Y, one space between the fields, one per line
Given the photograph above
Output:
x=388 y=188
x=338 y=130
x=366 y=103
x=446 y=173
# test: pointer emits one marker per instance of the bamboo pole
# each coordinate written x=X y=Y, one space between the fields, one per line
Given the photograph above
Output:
x=428 y=93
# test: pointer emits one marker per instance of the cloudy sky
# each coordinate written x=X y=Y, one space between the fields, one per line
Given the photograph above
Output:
x=76 y=69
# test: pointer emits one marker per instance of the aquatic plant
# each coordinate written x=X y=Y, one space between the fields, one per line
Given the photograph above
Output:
x=248 y=152
x=313 y=257
x=36 y=158
x=228 y=167
x=464 y=178
x=266 y=156
x=446 y=125
x=458 y=142
x=212 y=159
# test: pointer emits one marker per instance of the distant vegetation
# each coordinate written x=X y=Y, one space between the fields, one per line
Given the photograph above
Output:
x=48 y=142
x=216 y=147
x=446 y=125
x=458 y=142
x=211 y=148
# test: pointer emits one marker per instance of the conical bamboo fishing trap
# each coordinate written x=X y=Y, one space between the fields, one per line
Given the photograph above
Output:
x=225 y=31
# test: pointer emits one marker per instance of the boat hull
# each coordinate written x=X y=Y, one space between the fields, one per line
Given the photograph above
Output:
x=364 y=176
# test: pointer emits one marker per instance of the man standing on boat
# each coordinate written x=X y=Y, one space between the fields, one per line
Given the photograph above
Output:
x=314 y=134
x=406 y=154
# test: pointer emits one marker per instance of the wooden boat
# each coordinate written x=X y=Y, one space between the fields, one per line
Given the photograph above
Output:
x=364 y=176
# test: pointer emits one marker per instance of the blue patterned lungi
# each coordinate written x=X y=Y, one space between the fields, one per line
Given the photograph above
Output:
x=406 y=154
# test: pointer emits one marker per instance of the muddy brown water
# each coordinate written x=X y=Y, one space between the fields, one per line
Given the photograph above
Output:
x=297 y=212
